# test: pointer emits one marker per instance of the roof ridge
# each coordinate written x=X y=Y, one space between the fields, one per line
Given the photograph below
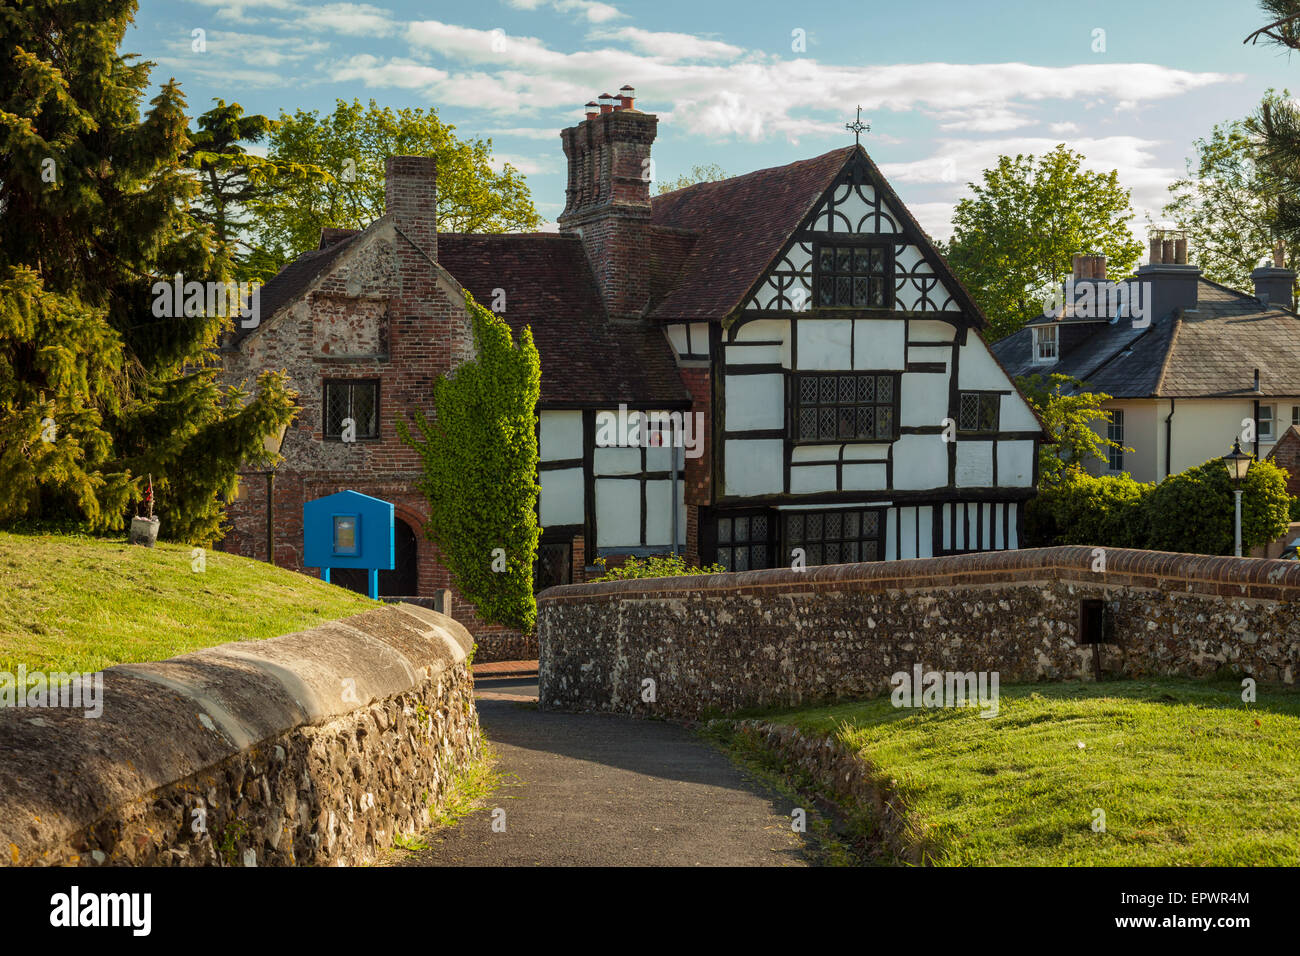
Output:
x=752 y=172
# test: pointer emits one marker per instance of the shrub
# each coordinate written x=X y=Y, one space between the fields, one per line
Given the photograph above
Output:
x=1087 y=510
x=1189 y=512
x=655 y=566
x=1193 y=510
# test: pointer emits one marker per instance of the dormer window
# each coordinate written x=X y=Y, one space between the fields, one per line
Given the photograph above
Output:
x=1044 y=345
x=855 y=276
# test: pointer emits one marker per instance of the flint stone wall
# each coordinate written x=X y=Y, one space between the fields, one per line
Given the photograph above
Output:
x=311 y=748
x=724 y=642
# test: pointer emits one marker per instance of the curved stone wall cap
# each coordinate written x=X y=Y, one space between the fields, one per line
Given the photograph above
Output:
x=921 y=572
x=166 y=721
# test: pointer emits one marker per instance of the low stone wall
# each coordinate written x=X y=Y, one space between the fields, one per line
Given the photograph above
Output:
x=310 y=748
x=688 y=646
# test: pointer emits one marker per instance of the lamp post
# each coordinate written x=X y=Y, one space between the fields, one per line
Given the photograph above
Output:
x=1237 y=463
x=272 y=444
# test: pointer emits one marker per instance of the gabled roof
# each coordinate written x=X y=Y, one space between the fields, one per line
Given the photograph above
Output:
x=549 y=286
x=1207 y=352
x=741 y=224
x=293 y=280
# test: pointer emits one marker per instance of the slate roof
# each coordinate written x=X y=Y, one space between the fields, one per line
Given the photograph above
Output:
x=1209 y=352
x=741 y=224
x=586 y=359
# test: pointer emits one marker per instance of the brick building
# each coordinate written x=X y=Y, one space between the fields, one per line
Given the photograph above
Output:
x=811 y=373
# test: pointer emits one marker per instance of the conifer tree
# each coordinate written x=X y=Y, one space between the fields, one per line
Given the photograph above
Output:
x=96 y=196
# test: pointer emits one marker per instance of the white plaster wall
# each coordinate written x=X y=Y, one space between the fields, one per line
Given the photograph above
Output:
x=755 y=402
x=561 y=435
x=561 y=500
x=754 y=467
x=920 y=461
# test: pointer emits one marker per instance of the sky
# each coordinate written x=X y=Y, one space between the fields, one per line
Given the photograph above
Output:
x=946 y=86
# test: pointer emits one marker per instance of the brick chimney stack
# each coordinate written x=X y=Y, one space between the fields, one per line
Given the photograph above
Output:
x=1173 y=281
x=607 y=200
x=411 y=198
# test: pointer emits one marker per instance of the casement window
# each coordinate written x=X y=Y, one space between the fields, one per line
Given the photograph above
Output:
x=834 y=537
x=1115 y=432
x=744 y=542
x=1045 y=344
x=855 y=276
x=1266 y=423
x=978 y=412
x=1295 y=414
x=838 y=406
x=355 y=399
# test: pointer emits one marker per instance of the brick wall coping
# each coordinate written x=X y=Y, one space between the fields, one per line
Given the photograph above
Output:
x=1236 y=577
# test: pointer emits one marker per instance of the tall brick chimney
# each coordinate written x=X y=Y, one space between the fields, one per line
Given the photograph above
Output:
x=411 y=198
x=607 y=200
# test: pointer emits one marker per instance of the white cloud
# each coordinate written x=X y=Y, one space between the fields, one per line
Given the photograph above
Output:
x=352 y=19
x=589 y=10
x=671 y=46
x=758 y=96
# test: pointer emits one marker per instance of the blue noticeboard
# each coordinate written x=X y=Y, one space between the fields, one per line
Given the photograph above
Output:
x=349 y=530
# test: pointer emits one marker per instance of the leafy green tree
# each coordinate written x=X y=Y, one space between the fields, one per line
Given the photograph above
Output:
x=1071 y=416
x=96 y=389
x=1275 y=126
x=351 y=145
x=479 y=456
x=711 y=173
x=234 y=181
x=1016 y=236
x=1227 y=202
x=1082 y=509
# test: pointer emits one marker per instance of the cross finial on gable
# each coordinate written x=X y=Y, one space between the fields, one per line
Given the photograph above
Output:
x=858 y=128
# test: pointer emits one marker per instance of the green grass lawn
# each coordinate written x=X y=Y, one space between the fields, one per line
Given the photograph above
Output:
x=77 y=603
x=1186 y=773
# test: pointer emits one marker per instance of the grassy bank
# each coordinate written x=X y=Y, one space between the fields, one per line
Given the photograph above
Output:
x=76 y=603
x=1185 y=773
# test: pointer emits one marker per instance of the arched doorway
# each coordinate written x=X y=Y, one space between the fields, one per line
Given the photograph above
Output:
x=399 y=582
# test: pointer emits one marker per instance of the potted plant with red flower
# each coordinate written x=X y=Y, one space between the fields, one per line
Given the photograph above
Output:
x=144 y=530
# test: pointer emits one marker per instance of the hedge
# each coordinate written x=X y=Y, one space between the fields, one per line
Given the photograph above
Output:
x=1190 y=512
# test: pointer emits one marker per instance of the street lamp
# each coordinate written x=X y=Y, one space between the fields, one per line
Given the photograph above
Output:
x=1237 y=463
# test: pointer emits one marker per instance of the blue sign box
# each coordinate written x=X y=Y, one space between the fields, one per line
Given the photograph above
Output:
x=349 y=530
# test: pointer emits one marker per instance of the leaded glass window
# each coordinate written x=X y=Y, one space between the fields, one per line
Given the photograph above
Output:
x=854 y=276
x=744 y=542
x=834 y=537
x=357 y=400
x=978 y=412
x=848 y=406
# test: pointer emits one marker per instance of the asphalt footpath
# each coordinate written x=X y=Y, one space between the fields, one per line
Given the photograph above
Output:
x=589 y=789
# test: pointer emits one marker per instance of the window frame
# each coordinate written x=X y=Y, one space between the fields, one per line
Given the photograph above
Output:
x=797 y=405
x=983 y=395
x=1271 y=434
x=351 y=383
x=1115 y=456
x=887 y=276
x=788 y=543
x=771 y=541
x=1036 y=336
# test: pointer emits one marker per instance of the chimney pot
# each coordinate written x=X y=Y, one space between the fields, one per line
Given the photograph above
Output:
x=625 y=96
x=606 y=103
x=1155 y=257
x=1180 y=251
x=593 y=109
x=1167 y=252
